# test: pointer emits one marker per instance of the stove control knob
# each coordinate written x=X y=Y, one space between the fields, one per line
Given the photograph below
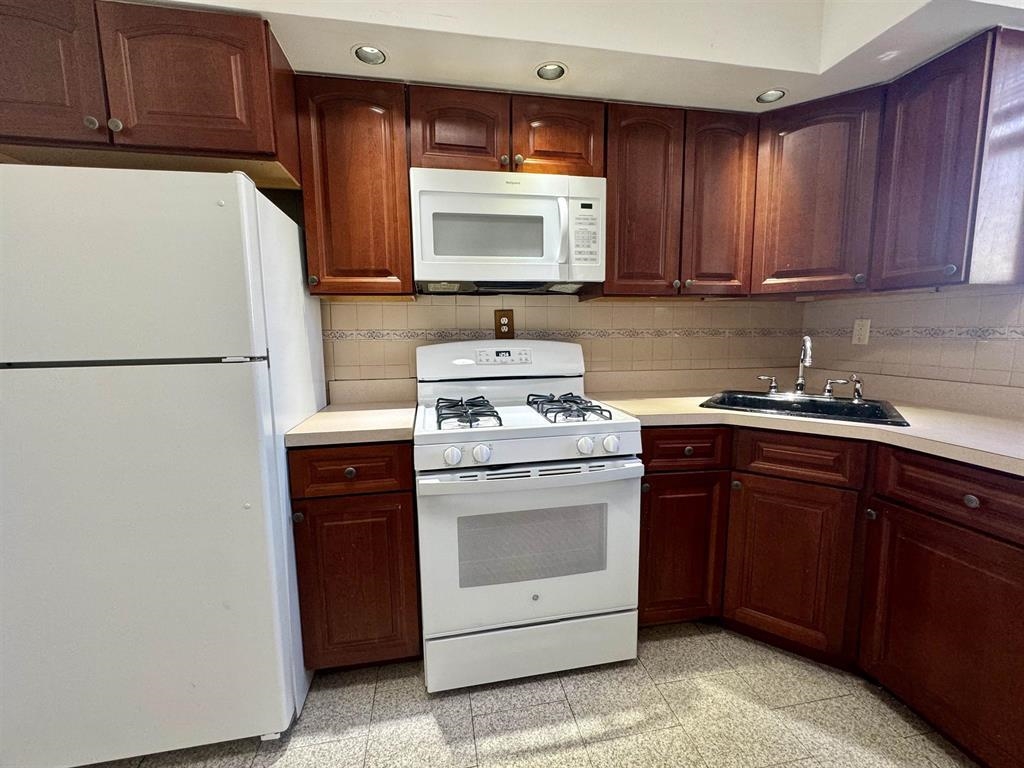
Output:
x=611 y=443
x=482 y=454
x=452 y=456
x=585 y=445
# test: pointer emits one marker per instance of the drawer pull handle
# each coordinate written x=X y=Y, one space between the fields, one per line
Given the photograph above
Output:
x=971 y=501
x=688 y=450
x=350 y=472
x=737 y=485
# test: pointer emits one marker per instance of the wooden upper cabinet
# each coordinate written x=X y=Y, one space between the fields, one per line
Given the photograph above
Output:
x=815 y=194
x=52 y=82
x=931 y=147
x=355 y=185
x=943 y=628
x=558 y=135
x=719 y=173
x=186 y=79
x=451 y=128
x=682 y=545
x=790 y=549
x=645 y=184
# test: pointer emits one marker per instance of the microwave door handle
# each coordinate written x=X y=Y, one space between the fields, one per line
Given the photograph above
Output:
x=563 y=223
x=431 y=486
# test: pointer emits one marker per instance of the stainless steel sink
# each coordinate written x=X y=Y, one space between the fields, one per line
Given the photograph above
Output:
x=813 y=406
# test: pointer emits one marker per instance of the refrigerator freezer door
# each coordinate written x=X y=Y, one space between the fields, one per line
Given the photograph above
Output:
x=140 y=523
x=102 y=264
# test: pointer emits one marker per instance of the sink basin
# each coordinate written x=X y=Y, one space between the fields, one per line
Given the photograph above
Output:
x=813 y=406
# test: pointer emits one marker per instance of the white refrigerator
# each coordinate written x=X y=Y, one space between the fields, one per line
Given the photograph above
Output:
x=156 y=342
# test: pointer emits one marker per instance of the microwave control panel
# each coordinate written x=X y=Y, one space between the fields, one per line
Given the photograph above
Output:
x=585 y=224
x=503 y=356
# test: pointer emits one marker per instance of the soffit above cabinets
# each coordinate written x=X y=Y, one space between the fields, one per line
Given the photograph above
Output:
x=700 y=53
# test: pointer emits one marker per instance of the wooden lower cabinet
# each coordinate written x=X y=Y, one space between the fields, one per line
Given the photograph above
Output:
x=682 y=545
x=789 y=554
x=356 y=562
x=944 y=628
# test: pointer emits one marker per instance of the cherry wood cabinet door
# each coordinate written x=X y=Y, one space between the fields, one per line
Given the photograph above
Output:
x=356 y=561
x=645 y=185
x=931 y=150
x=943 y=628
x=682 y=545
x=719 y=173
x=790 y=547
x=191 y=80
x=558 y=135
x=52 y=79
x=816 y=169
x=452 y=128
x=355 y=185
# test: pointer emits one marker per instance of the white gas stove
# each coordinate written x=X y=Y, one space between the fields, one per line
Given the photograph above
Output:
x=529 y=507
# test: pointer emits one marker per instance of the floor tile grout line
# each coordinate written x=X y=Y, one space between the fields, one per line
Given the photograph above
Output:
x=575 y=722
x=369 y=720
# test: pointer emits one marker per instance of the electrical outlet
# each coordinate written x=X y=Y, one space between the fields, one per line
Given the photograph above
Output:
x=504 y=324
x=861 y=330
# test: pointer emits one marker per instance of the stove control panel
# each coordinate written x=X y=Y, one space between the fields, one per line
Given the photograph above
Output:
x=504 y=356
x=453 y=455
x=529 y=450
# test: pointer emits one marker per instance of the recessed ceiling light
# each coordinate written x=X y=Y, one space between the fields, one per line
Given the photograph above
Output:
x=369 y=55
x=771 y=95
x=551 y=70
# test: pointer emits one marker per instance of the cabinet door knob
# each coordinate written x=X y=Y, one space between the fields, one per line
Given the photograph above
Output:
x=688 y=450
x=645 y=487
x=519 y=159
x=298 y=517
x=676 y=284
x=314 y=280
x=870 y=514
x=949 y=270
x=690 y=283
x=91 y=122
x=971 y=501
x=115 y=125
x=503 y=159
x=737 y=485
x=350 y=472
x=860 y=278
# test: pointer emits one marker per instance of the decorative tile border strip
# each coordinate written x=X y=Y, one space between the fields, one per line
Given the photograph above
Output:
x=949 y=332
x=560 y=334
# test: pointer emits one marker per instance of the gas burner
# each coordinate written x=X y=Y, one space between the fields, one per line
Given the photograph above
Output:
x=567 y=407
x=465 y=413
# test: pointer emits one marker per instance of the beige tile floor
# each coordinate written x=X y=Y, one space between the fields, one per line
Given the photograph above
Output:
x=698 y=697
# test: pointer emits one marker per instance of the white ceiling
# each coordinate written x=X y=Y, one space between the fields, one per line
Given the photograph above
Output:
x=717 y=54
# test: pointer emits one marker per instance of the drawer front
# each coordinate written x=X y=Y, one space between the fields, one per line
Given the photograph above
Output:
x=341 y=470
x=984 y=500
x=802 y=457
x=669 y=449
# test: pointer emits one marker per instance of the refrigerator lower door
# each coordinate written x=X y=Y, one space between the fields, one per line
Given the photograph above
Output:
x=141 y=606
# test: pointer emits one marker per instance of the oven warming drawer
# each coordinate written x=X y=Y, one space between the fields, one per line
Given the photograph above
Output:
x=505 y=654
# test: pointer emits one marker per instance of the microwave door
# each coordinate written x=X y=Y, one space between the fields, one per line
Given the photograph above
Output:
x=491 y=237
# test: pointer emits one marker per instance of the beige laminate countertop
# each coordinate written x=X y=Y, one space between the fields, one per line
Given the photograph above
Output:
x=984 y=441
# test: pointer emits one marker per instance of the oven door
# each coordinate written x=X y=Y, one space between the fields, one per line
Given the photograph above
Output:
x=528 y=544
x=475 y=226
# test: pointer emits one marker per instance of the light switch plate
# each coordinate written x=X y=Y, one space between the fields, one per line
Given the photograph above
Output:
x=504 y=324
x=861 y=331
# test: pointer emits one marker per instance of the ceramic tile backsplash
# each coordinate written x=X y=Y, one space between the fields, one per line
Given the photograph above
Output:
x=969 y=334
x=378 y=340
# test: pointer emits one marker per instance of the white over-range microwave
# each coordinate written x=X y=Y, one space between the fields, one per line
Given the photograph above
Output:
x=480 y=230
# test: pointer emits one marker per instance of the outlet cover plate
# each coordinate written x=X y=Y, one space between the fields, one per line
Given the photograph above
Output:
x=861 y=331
x=504 y=324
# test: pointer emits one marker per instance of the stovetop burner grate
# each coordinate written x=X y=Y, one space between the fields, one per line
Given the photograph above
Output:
x=465 y=413
x=567 y=407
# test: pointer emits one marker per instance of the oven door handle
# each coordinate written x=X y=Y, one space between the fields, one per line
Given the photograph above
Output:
x=436 y=486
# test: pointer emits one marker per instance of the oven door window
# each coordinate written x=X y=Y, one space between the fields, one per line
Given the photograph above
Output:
x=508 y=547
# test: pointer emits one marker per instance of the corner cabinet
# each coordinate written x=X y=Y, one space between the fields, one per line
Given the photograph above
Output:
x=352 y=142
x=355 y=553
x=815 y=194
